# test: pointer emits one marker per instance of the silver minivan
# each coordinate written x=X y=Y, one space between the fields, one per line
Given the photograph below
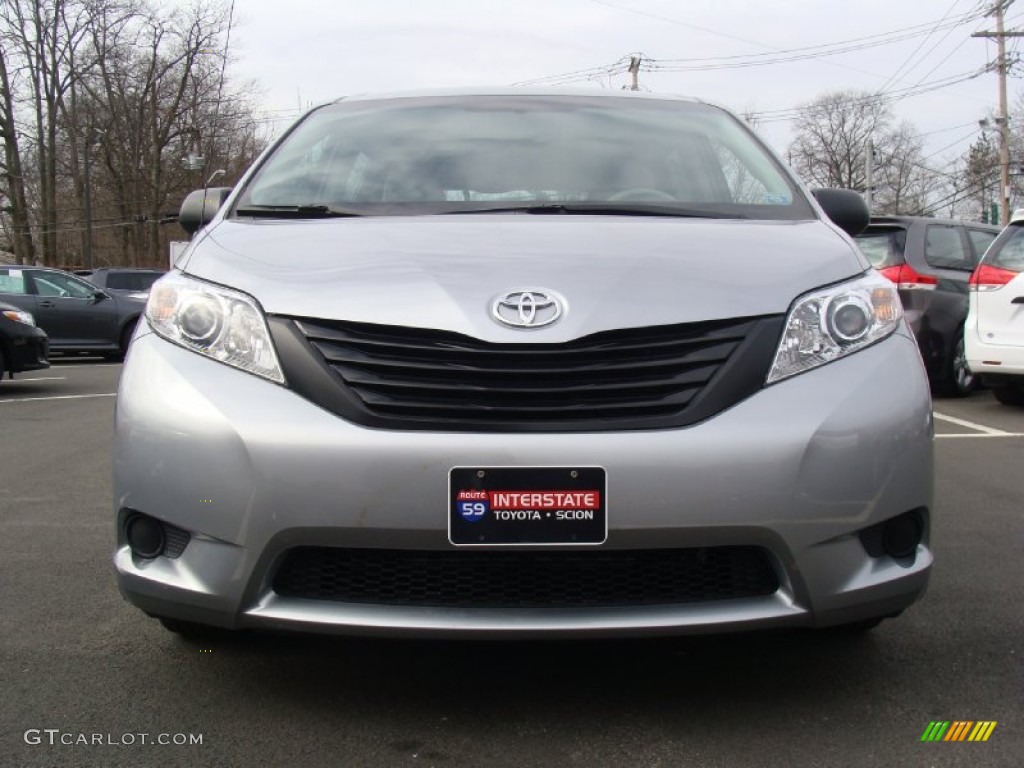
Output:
x=522 y=363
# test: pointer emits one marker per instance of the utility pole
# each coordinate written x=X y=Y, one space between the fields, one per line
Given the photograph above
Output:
x=1003 y=121
x=870 y=172
x=87 y=195
x=90 y=137
x=634 y=70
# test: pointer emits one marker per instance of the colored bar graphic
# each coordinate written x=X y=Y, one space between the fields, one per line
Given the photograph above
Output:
x=958 y=730
x=935 y=730
x=982 y=730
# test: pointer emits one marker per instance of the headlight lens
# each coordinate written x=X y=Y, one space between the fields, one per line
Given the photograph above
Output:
x=834 y=322
x=226 y=325
x=19 y=317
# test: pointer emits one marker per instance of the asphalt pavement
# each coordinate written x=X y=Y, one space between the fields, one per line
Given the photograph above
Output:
x=88 y=680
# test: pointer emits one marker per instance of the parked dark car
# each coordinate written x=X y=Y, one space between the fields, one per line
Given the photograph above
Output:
x=76 y=315
x=122 y=279
x=23 y=346
x=931 y=261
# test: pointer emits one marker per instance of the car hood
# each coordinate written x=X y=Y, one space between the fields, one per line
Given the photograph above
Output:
x=445 y=272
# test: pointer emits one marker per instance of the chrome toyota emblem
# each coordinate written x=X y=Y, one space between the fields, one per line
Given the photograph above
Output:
x=528 y=308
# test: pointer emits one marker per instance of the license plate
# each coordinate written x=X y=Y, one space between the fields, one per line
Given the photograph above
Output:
x=527 y=505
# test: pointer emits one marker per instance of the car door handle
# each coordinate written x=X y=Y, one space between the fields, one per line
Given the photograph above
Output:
x=1018 y=300
x=47 y=304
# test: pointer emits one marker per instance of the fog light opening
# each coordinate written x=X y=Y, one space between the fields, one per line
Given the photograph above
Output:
x=145 y=536
x=901 y=535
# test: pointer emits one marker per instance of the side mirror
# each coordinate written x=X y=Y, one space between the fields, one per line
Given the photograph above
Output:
x=200 y=207
x=845 y=207
x=98 y=296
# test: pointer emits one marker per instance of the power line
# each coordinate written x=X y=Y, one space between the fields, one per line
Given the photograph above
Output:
x=895 y=75
x=759 y=60
x=579 y=75
x=780 y=55
x=946 y=58
x=904 y=33
x=950 y=128
x=953 y=144
x=977 y=186
x=791 y=113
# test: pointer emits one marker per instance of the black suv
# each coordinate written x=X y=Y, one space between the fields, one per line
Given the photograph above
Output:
x=931 y=261
x=122 y=279
x=76 y=315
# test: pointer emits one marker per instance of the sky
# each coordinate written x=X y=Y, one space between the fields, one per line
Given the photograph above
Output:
x=305 y=52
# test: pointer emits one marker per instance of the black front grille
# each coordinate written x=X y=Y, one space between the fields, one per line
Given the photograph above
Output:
x=408 y=378
x=527 y=579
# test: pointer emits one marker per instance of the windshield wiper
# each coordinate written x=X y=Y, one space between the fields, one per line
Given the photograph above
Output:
x=603 y=209
x=305 y=211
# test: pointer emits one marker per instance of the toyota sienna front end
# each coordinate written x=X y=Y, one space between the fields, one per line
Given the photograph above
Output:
x=521 y=363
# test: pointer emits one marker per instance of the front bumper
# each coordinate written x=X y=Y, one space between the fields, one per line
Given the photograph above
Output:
x=28 y=347
x=252 y=471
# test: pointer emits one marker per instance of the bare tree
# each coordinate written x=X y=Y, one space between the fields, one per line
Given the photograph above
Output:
x=166 y=101
x=47 y=35
x=15 y=220
x=903 y=183
x=832 y=136
x=104 y=100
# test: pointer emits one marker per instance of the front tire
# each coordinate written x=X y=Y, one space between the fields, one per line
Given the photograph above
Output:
x=1009 y=394
x=126 y=336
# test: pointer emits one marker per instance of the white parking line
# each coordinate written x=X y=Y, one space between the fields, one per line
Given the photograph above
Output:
x=982 y=434
x=54 y=397
x=971 y=425
x=71 y=365
x=43 y=378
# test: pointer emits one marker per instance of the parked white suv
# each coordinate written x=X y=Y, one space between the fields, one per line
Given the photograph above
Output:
x=994 y=331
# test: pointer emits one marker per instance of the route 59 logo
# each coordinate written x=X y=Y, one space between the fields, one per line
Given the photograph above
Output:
x=472 y=505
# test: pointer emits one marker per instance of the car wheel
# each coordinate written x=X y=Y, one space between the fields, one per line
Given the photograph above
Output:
x=957 y=378
x=3 y=365
x=1009 y=394
x=126 y=336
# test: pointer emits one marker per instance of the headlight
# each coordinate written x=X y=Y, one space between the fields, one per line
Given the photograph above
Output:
x=224 y=324
x=834 y=322
x=19 y=317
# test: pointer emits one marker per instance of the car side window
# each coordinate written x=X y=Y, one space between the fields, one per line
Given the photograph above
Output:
x=122 y=282
x=944 y=248
x=52 y=284
x=13 y=281
x=981 y=239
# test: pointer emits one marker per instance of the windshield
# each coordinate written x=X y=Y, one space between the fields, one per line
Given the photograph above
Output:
x=448 y=154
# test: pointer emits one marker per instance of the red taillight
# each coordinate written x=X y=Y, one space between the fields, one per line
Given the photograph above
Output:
x=891 y=273
x=989 y=278
x=906 y=278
